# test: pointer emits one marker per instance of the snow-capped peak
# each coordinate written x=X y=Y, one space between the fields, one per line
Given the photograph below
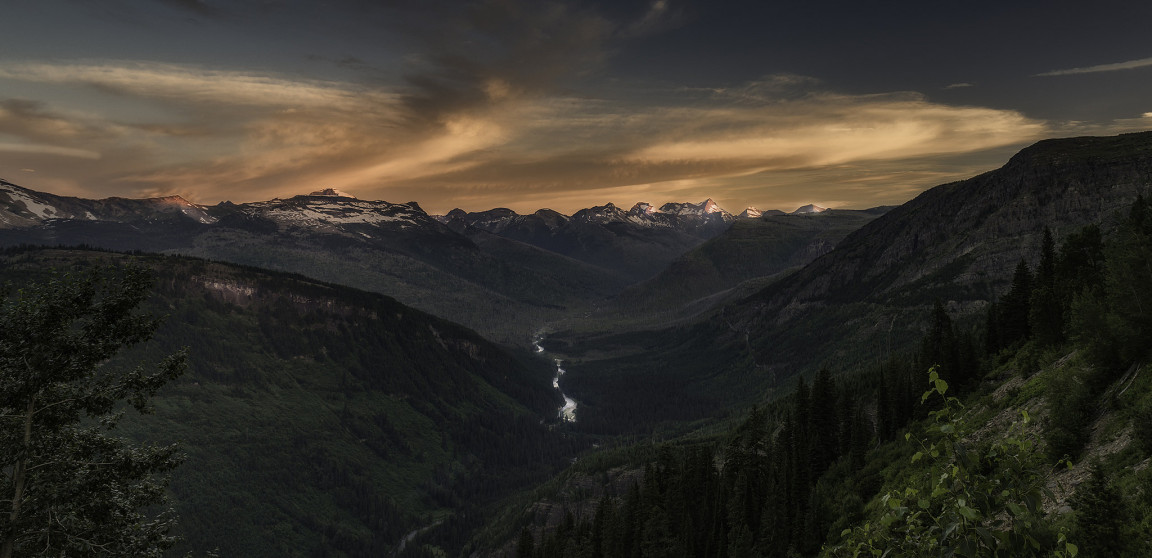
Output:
x=702 y=208
x=750 y=213
x=644 y=208
x=810 y=208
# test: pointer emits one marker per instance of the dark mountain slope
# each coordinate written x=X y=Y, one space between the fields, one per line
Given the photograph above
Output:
x=958 y=242
x=318 y=419
x=750 y=248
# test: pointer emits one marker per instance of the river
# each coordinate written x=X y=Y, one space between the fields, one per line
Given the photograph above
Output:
x=567 y=412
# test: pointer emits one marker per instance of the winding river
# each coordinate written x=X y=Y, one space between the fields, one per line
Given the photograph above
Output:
x=567 y=412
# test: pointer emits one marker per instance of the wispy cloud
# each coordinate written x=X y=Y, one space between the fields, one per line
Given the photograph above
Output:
x=520 y=142
x=185 y=84
x=1118 y=66
x=832 y=129
x=960 y=85
x=48 y=150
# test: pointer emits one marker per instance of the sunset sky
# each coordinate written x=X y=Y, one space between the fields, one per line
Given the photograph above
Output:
x=529 y=104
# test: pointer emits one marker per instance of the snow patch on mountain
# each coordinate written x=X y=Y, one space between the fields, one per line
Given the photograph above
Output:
x=809 y=209
x=31 y=205
x=308 y=211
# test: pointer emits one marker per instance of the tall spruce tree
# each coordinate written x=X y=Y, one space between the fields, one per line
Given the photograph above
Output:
x=1015 y=307
x=939 y=347
x=71 y=487
x=1101 y=516
x=1046 y=316
x=1129 y=283
x=1080 y=265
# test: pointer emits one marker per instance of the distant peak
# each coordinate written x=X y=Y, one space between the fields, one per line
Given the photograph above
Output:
x=643 y=208
x=807 y=209
x=333 y=193
x=750 y=213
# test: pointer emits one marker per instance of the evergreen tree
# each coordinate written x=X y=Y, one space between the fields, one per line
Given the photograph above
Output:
x=823 y=429
x=939 y=346
x=1080 y=265
x=1101 y=516
x=74 y=488
x=1015 y=307
x=1046 y=317
x=1129 y=283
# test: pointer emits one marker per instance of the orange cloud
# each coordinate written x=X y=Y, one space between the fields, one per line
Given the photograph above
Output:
x=245 y=136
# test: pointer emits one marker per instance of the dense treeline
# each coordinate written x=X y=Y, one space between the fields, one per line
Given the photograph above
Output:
x=796 y=476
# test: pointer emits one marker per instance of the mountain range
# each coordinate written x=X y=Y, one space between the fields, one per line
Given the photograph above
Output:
x=503 y=274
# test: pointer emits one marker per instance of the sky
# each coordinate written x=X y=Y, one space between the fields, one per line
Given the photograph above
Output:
x=528 y=104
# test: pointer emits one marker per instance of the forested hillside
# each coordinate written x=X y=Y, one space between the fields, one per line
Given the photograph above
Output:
x=317 y=419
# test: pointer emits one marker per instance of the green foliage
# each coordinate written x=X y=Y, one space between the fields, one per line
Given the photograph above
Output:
x=965 y=501
x=1129 y=283
x=1113 y=320
x=75 y=489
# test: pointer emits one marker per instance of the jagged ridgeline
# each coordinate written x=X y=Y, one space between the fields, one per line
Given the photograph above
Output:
x=322 y=420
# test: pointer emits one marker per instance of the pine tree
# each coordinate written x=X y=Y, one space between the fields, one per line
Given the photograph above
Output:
x=1080 y=265
x=76 y=489
x=823 y=429
x=1101 y=516
x=939 y=346
x=1129 y=283
x=1046 y=316
x=1015 y=307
